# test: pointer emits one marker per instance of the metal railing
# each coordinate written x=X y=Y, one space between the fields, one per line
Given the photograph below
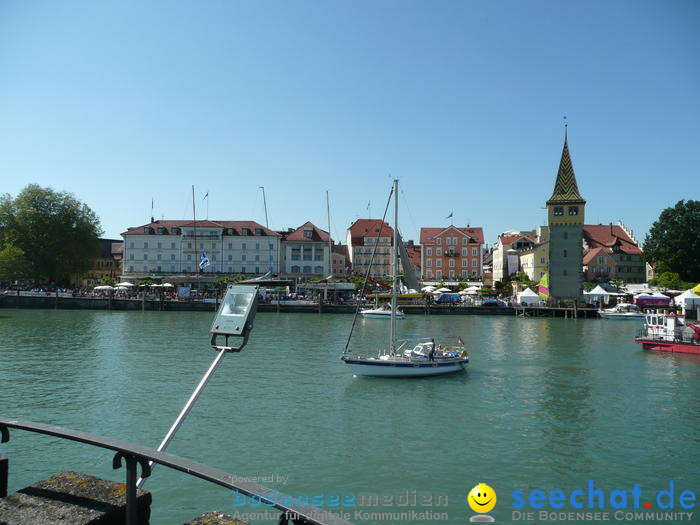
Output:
x=134 y=454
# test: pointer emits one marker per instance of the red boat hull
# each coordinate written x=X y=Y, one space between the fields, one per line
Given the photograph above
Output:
x=669 y=346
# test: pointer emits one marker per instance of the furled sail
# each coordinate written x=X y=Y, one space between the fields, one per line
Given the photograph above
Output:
x=409 y=271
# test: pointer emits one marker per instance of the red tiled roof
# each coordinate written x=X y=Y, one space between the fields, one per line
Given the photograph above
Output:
x=509 y=239
x=427 y=235
x=589 y=255
x=169 y=224
x=317 y=235
x=362 y=228
x=607 y=236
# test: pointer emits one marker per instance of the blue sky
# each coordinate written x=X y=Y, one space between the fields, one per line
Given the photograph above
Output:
x=121 y=102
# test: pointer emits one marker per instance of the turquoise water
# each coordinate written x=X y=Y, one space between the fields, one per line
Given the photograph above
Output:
x=546 y=404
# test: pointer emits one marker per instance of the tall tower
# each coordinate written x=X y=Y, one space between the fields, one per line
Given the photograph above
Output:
x=566 y=212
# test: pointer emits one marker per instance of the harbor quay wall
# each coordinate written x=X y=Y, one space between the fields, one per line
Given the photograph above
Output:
x=88 y=303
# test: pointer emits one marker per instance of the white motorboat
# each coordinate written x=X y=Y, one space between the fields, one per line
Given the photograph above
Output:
x=425 y=359
x=622 y=311
x=383 y=312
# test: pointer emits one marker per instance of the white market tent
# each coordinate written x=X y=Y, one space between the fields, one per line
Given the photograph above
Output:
x=596 y=295
x=688 y=300
x=527 y=296
x=103 y=287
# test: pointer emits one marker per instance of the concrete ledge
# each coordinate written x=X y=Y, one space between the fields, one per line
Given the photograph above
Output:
x=72 y=498
x=214 y=517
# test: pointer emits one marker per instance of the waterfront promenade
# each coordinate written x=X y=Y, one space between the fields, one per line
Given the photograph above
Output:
x=106 y=303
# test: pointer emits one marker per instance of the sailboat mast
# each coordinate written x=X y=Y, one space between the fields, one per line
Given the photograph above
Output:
x=194 y=227
x=394 y=267
x=330 y=240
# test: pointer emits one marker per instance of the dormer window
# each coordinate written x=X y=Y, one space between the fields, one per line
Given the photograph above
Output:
x=162 y=231
x=245 y=231
x=558 y=211
x=258 y=231
x=176 y=231
x=308 y=233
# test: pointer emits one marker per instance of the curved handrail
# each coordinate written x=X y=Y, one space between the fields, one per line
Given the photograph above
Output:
x=143 y=455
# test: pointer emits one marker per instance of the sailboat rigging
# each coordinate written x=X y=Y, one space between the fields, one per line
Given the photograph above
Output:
x=425 y=358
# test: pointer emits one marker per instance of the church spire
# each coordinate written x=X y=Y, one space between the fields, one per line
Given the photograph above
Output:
x=565 y=188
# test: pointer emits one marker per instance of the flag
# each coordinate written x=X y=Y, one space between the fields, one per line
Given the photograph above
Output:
x=205 y=196
x=543 y=287
x=460 y=340
x=449 y=216
x=204 y=261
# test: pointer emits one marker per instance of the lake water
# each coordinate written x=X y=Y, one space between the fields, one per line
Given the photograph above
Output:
x=545 y=404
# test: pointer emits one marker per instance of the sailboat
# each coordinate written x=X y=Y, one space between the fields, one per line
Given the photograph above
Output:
x=403 y=358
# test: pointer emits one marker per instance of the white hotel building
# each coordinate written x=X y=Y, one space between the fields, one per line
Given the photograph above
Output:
x=164 y=248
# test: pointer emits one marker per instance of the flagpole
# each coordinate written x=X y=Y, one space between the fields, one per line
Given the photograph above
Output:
x=194 y=224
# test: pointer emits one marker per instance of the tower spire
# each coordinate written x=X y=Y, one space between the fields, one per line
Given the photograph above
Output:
x=565 y=187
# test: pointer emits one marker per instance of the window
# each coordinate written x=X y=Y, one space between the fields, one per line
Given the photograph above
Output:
x=257 y=245
x=448 y=241
x=145 y=245
x=230 y=257
x=172 y=245
x=270 y=246
x=475 y=263
x=213 y=246
x=308 y=233
x=230 y=269
x=475 y=251
x=438 y=252
x=430 y=274
x=438 y=274
x=160 y=246
x=464 y=252
x=258 y=231
x=429 y=263
x=452 y=263
x=189 y=245
x=541 y=260
x=558 y=211
x=242 y=269
x=564 y=271
x=438 y=241
x=131 y=244
x=429 y=252
x=131 y=268
x=172 y=257
x=189 y=257
x=158 y=257
x=243 y=246
x=465 y=263
x=566 y=235
x=201 y=245
x=573 y=210
x=213 y=258
x=564 y=253
x=465 y=274
x=454 y=241
x=257 y=269
x=230 y=246
x=145 y=256
x=318 y=269
x=131 y=256
x=243 y=257
x=438 y=262
x=464 y=240
x=307 y=269
x=452 y=274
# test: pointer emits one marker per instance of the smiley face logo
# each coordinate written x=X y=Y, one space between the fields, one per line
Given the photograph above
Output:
x=482 y=498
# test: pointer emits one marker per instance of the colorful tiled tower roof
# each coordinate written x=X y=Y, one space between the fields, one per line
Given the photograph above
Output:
x=565 y=188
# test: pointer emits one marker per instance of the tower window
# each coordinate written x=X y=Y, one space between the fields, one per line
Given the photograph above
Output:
x=558 y=211
x=564 y=253
x=573 y=210
x=566 y=235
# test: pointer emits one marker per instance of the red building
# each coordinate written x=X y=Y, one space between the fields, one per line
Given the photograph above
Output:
x=451 y=253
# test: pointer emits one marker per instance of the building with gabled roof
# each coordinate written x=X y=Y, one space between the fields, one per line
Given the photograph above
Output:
x=505 y=252
x=362 y=237
x=621 y=246
x=451 y=253
x=305 y=252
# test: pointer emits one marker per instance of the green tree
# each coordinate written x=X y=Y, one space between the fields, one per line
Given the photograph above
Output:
x=670 y=281
x=108 y=281
x=673 y=242
x=618 y=284
x=57 y=233
x=12 y=264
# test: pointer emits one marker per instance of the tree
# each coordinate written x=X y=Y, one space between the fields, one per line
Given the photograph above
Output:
x=673 y=242
x=670 y=281
x=58 y=234
x=108 y=281
x=12 y=263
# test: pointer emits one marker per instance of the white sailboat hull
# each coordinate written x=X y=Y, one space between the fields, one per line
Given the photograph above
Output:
x=404 y=368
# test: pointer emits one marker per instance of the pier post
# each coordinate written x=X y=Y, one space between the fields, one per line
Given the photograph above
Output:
x=3 y=476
